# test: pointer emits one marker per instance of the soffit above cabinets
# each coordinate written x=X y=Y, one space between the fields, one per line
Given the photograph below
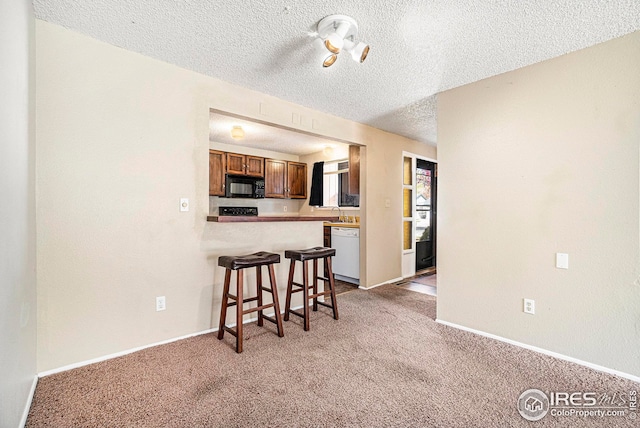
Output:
x=264 y=136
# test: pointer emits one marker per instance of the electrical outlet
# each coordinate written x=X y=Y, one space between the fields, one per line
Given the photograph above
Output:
x=161 y=303
x=285 y=208
x=529 y=306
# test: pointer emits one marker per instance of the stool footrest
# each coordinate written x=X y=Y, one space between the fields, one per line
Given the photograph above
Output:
x=326 y=304
x=309 y=285
x=270 y=318
x=291 y=311
x=322 y=293
x=231 y=331
x=258 y=308
x=324 y=278
x=251 y=299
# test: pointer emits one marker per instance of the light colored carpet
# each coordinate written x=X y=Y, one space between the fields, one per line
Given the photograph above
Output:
x=385 y=363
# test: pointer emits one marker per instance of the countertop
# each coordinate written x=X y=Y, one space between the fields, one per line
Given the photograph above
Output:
x=266 y=218
x=338 y=224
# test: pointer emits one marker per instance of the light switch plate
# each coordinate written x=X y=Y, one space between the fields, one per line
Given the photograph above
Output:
x=562 y=260
x=184 y=204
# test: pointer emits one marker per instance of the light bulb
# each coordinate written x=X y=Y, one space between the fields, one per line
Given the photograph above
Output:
x=237 y=132
x=334 y=43
x=330 y=60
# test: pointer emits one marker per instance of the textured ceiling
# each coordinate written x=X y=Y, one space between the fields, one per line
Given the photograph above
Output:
x=418 y=47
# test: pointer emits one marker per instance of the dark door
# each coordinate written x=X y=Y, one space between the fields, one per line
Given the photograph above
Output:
x=426 y=185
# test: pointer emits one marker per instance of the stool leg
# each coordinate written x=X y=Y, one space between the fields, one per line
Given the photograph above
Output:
x=305 y=292
x=276 y=303
x=223 y=309
x=332 y=284
x=287 y=305
x=239 y=310
x=259 y=290
x=315 y=284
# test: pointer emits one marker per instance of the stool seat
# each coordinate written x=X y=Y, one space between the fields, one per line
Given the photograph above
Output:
x=310 y=254
x=247 y=261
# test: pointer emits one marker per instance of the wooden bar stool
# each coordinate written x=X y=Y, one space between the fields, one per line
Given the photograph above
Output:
x=305 y=256
x=239 y=263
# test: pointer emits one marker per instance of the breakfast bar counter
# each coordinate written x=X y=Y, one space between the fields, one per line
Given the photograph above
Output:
x=271 y=218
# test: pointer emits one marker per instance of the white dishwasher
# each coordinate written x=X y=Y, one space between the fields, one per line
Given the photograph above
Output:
x=346 y=263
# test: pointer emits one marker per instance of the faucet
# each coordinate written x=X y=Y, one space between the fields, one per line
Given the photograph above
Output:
x=340 y=215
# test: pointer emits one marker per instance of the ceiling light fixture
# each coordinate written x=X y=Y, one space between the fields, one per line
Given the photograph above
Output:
x=338 y=33
x=237 y=133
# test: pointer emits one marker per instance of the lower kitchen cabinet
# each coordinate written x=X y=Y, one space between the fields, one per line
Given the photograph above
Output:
x=327 y=236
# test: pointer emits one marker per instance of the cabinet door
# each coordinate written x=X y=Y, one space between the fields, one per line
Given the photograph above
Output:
x=217 y=161
x=275 y=178
x=254 y=166
x=297 y=180
x=235 y=164
x=327 y=236
x=354 y=170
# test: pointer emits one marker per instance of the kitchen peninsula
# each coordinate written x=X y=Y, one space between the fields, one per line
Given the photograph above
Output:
x=271 y=218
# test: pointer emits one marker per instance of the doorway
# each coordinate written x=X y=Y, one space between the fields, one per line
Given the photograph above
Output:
x=425 y=215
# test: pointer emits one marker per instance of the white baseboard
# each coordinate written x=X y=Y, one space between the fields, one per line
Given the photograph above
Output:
x=139 y=348
x=543 y=351
x=27 y=407
x=120 y=354
x=382 y=283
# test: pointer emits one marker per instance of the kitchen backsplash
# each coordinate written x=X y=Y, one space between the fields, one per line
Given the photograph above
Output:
x=269 y=206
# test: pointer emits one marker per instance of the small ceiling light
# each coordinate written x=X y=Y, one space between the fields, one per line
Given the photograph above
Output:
x=337 y=33
x=328 y=61
x=237 y=133
x=358 y=51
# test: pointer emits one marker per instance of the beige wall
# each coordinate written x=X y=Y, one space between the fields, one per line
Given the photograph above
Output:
x=17 y=212
x=121 y=138
x=534 y=162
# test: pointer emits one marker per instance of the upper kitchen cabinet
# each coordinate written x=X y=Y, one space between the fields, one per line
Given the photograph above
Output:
x=217 y=162
x=275 y=178
x=245 y=165
x=284 y=179
x=354 y=170
x=297 y=180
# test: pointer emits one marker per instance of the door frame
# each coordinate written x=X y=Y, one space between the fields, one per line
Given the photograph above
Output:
x=408 y=256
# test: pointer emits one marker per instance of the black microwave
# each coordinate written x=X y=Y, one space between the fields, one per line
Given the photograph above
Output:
x=240 y=186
